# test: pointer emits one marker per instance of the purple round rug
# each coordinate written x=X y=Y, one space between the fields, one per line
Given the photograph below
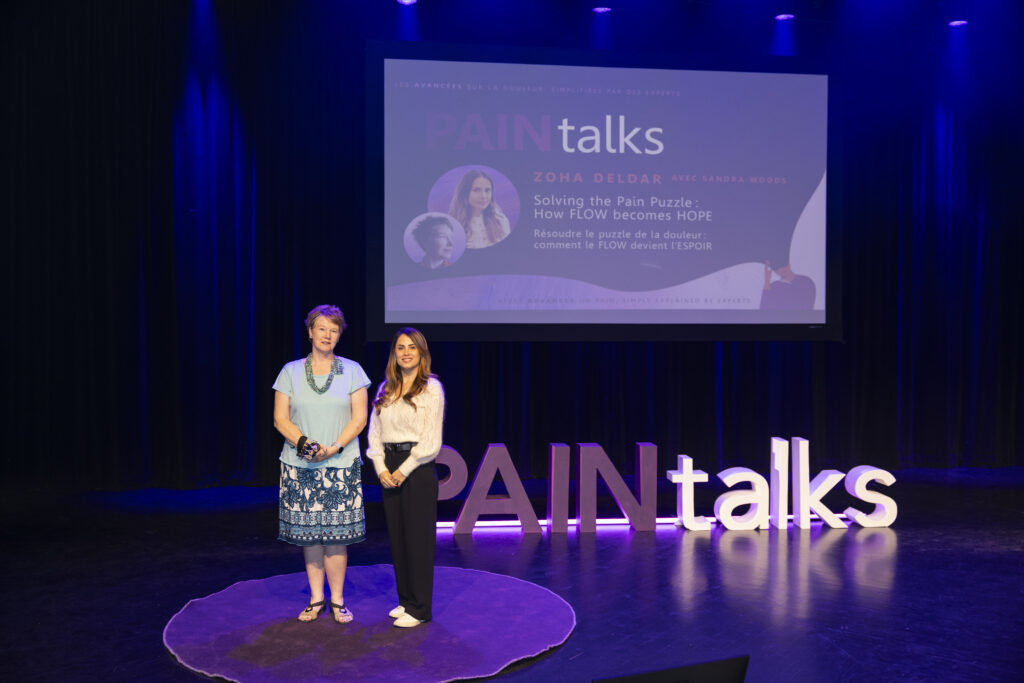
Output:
x=482 y=623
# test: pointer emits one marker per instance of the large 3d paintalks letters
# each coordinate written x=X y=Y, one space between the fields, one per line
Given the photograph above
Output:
x=684 y=478
x=766 y=500
x=641 y=510
x=478 y=502
x=756 y=498
x=856 y=484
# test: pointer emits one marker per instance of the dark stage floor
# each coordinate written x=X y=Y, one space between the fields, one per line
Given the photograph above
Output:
x=938 y=597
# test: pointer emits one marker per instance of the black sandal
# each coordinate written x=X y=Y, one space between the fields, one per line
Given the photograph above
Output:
x=309 y=608
x=344 y=616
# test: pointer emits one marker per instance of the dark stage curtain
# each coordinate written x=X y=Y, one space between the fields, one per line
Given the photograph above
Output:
x=183 y=181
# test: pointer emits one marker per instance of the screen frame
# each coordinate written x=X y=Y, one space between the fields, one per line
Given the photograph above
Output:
x=377 y=52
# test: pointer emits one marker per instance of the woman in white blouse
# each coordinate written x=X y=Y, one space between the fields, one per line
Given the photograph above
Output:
x=474 y=207
x=405 y=437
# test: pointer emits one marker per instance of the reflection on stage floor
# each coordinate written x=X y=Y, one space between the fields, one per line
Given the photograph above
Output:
x=937 y=596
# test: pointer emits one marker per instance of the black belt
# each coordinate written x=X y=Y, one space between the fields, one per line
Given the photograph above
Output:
x=403 y=447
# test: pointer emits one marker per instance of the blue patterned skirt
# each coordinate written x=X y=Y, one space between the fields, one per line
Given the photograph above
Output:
x=321 y=506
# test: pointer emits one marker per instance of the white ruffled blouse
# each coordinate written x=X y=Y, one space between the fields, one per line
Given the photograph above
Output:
x=399 y=422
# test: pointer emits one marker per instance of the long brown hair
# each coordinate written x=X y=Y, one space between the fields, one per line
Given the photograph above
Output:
x=391 y=388
x=461 y=212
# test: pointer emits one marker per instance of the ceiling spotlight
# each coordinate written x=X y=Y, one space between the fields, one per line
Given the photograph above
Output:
x=602 y=10
x=784 y=17
x=406 y=2
x=958 y=22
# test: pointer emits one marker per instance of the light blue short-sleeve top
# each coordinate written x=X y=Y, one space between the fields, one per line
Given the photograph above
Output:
x=321 y=417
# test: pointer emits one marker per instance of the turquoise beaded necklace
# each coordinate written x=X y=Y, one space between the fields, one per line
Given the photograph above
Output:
x=337 y=368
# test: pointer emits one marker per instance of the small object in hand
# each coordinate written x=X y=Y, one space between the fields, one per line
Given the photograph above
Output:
x=309 y=449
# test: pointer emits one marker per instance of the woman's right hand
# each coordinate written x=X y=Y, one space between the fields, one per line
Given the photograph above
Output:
x=386 y=480
x=320 y=455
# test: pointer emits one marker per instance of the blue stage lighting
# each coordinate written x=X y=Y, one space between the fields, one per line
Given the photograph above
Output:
x=958 y=22
x=784 y=36
x=406 y=2
x=602 y=10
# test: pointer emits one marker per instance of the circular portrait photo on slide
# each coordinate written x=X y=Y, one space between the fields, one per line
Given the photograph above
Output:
x=482 y=199
x=434 y=240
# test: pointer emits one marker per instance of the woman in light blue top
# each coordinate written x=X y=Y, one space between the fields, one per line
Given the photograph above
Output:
x=320 y=408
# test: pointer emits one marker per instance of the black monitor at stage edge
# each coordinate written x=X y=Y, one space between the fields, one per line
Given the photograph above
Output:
x=587 y=196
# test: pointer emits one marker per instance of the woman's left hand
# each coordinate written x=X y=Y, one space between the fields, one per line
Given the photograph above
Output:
x=397 y=477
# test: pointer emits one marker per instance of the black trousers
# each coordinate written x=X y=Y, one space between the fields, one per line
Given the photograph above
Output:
x=411 y=514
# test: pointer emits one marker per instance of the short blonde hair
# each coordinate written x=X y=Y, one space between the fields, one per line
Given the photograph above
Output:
x=332 y=313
